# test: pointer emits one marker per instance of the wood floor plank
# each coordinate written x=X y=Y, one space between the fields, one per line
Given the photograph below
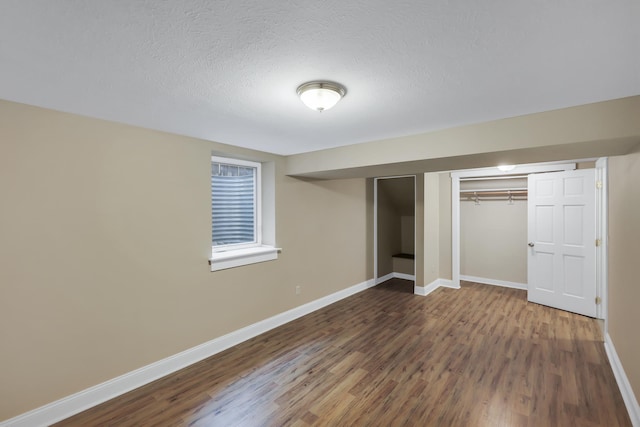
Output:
x=478 y=356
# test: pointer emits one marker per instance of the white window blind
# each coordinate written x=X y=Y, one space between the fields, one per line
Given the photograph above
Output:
x=234 y=202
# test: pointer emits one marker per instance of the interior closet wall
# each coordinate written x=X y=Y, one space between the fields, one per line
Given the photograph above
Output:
x=388 y=231
x=407 y=233
x=396 y=225
x=493 y=233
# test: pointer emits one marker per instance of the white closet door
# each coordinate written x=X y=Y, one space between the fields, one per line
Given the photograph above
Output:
x=562 y=240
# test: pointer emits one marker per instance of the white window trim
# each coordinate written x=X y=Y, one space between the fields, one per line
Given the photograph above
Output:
x=240 y=257
x=229 y=256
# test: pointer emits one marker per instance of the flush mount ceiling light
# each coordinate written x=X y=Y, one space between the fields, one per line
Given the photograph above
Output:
x=320 y=95
x=506 y=168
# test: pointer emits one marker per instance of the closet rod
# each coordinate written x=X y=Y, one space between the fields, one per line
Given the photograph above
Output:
x=509 y=195
x=493 y=190
x=492 y=195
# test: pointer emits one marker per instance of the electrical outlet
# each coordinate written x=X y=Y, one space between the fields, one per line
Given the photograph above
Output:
x=297 y=290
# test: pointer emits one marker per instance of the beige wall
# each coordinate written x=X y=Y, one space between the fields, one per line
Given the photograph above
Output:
x=435 y=221
x=445 y=225
x=431 y=228
x=105 y=235
x=624 y=285
x=493 y=240
x=600 y=129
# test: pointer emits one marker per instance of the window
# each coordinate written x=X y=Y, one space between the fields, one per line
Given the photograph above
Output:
x=235 y=191
x=237 y=214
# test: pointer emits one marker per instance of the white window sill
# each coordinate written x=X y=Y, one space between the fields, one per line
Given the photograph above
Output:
x=240 y=257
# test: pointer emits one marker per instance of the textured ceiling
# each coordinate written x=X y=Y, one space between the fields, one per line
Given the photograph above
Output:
x=228 y=70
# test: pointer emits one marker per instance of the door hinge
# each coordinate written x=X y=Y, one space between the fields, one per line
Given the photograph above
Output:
x=598 y=184
x=598 y=242
x=598 y=300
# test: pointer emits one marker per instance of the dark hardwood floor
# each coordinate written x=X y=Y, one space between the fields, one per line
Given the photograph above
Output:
x=478 y=356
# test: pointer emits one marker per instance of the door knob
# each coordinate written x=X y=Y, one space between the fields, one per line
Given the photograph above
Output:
x=531 y=244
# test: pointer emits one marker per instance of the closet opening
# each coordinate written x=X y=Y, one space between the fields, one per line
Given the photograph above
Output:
x=493 y=230
x=394 y=228
x=541 y=227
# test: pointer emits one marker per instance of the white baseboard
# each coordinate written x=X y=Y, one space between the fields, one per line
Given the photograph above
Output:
x=426 y=290
x=628 y=396
x=495 y=282
x=404 y=276
x=384 y=278
x=395 y=276
x=448 y=283
x=85 y=399
x=438 y=283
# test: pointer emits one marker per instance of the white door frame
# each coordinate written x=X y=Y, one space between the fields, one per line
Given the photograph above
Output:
x=602 y=233
x=375 y=221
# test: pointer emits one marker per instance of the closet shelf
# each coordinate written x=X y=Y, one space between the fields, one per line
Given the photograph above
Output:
x=403 y=255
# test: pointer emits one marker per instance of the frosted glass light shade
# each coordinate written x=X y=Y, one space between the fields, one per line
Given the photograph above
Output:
x=321 y=96
x=506 y=168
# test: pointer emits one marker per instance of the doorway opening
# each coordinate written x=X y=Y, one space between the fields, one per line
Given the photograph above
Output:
x=394 y=228
x=459 y=178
